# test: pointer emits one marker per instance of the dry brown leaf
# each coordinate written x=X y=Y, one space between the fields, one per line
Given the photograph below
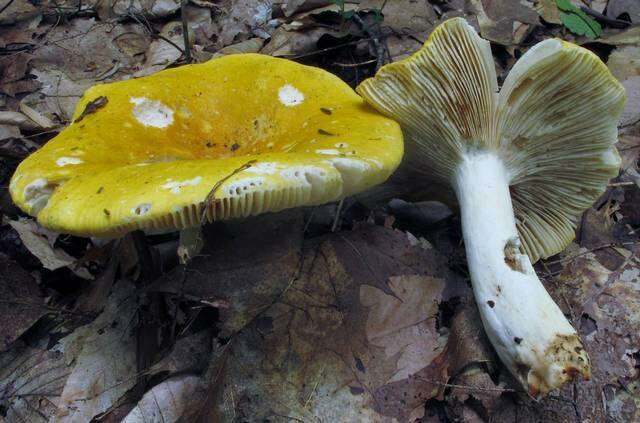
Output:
x=18 y=10
x=235 y=272
x=608 y=304
x=548 y=10
x=21 y=302
x=32 y=378
x=173 y=400
x=105 y=366
x=240 y=20
x=353 y=338
x=505 y=22
x=18 y=119
x=252 y=45
x=624 y=8
x=109 y=9
x=8 y=132
x=161 y=53
x=404 y=17
x=40 y=243
x=292 y=7
x=624 y=64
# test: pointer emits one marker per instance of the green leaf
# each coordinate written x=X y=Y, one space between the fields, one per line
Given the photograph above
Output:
x=577 y=21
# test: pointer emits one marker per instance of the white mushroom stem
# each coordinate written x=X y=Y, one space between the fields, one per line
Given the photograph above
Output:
x=526 y=327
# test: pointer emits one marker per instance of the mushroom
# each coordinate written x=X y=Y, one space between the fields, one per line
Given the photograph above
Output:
x=524 y=163
x=242 y=134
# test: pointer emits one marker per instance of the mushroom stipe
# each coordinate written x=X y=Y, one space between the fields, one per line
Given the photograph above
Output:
x=524 y=162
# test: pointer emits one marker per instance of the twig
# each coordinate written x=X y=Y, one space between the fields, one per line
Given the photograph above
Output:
x=336 y=218
x=469 y=388
x=355 y=65
x=375 y=41
x=600 y=247
x=185 y=30
x=210 y=198
x=613 y=23
x=6 y=6
x=328 y=49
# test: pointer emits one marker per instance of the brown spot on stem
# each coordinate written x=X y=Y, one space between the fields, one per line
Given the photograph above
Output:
x=512 y=256
x=491 y=303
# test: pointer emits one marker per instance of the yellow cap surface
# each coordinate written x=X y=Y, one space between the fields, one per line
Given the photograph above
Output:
x=263 y=133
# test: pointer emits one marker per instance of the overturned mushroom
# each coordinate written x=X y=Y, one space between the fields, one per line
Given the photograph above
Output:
x=523 y=163
x=242 y=134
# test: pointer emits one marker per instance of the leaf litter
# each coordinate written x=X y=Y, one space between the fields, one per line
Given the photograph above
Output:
x=278 y=317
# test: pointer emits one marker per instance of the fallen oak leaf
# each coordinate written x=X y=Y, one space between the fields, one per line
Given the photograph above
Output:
x=353 y=338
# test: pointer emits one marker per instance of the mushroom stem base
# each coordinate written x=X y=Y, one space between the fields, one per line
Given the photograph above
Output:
x=526 y=327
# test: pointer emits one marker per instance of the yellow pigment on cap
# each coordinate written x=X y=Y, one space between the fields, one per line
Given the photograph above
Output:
x=267 y=133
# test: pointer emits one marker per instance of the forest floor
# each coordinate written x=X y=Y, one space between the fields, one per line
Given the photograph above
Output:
x=310 y=315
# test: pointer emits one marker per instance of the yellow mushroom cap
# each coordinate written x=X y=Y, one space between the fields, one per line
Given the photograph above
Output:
x=553 y=123
x=265 y=134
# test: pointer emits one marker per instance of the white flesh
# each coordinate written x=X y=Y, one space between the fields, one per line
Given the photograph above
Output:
x=526 y=327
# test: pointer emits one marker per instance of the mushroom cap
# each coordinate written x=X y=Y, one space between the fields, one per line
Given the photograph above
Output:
x=252 y=133
x=553 y=123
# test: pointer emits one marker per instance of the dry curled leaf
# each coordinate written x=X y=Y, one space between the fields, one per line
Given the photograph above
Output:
x=353 y=338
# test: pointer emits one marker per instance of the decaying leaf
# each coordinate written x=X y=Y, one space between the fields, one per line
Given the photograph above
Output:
x=78 y=376
x=608 y=304
x=624 y=9
x=353 y=338
x=163 y=51
x=240 y=20
x=244 y=278
x=40 y=243
x=21 y=302
x=175 y=399
x=504 y=21
x=105 y=366
x=18 y=10
x=32 y=379
x=548 y=10
x=624 y=64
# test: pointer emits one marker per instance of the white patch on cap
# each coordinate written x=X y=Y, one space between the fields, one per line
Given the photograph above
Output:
x=302 y=172
x=37 y=193
x=352 y=170
x=263 y=168
x=151 y=112
x=141 y=209
x=290 y=96
x=244 y=185
x=328 y=152
x=176 y=186
x=64 y=161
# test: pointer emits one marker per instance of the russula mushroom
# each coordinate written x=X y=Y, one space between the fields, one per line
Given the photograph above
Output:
x=248 y=133
x=524 y=163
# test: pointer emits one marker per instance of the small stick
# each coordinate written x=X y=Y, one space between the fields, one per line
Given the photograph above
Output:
x=185 y=31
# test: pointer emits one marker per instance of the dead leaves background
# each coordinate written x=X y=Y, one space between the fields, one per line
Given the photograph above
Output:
x=279 y=318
